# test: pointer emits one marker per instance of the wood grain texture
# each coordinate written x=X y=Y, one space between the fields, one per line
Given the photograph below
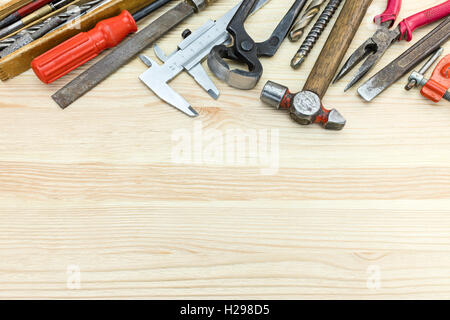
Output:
x=362 y=213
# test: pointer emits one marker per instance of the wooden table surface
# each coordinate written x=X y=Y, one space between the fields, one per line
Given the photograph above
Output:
x=122 y=196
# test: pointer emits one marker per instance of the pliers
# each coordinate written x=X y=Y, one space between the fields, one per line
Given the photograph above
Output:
x=375 y=47
x=245 y=51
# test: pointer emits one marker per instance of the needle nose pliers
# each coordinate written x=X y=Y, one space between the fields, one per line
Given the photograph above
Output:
x=375 y=47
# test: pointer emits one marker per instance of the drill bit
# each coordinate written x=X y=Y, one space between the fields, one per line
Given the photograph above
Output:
x=315 y=33
x=41 y=12
x=37 y=31
x=8 y=41
x=305 y=19
x=23 y=12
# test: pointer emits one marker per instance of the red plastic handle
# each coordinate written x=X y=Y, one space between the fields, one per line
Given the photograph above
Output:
x=85 y=46
x=31 y=7
x=390 y=14
x=423 y=18
x=439 y=83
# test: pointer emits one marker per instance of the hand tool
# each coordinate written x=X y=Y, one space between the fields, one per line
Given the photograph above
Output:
x=315 y=33
x=375 y=47
x=189 y=56
x=10 y=40
x=41 y=12
x=406 y=61
x=298 y=29
x=412 y=80
x=23 y=12
x=49 y=25
x=436 y=88
x=4 y=43
x=306 y=107
x=127 y=50
x=244 y=50
x=85 y=46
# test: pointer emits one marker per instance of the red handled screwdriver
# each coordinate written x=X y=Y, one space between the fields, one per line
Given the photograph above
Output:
x=85 y=46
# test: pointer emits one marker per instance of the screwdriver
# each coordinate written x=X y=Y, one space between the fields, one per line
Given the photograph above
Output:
x=85 y=46
x=22 y=12
x=39 y=13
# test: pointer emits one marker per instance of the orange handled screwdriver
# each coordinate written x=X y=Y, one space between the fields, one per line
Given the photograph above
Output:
x=85 y=46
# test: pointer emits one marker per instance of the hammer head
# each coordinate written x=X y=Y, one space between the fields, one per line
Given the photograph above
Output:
x=304 y=107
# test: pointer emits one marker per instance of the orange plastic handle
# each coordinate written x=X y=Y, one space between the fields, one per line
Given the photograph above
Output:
x=83 y=47
x=439 y=83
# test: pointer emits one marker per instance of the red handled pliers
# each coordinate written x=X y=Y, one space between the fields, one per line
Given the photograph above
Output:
x=374 y=48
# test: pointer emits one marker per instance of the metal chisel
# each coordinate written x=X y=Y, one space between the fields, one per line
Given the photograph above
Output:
x=406 y=62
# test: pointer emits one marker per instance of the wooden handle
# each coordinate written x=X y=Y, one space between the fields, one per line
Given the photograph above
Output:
x=336 y=46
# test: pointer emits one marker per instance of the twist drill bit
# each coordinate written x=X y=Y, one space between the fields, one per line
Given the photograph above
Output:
x=28 y=9
x=305 y=19
x=315 y=33
x=35 y=32
x=41 y=12
x=10 y=40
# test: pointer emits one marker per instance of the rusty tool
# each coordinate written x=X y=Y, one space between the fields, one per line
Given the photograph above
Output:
x=41 y=12
x=436 y=88
x=315 y=33
x=306 y=106
x=412 y=80
x=374 y=48
x=126 y=51
x=85 y=46
x=190 y=54
x=305 y=19
x=29 y=31
x=406 y=62
x=244 y=50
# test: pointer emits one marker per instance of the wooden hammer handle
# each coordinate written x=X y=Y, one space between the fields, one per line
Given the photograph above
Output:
x=336 y=46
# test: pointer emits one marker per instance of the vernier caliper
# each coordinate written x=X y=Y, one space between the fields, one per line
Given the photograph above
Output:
x=189 y=56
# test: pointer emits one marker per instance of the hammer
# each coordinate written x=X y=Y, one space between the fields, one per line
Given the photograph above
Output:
x=306 y=106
